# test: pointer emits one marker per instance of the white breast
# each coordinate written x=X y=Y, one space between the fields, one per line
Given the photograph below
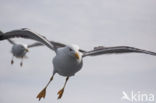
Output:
x=64 y=64
x=18 y=51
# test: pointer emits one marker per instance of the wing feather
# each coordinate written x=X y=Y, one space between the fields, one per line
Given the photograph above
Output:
x=11 y=41
x=26 y=33
x=55 y=44
x=116 y=50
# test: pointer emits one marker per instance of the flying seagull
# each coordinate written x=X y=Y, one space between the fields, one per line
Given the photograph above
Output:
x=69 y=58
x=20 y=50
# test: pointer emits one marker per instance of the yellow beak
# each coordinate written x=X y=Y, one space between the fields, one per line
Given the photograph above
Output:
x=77 y=55
x=26 y=50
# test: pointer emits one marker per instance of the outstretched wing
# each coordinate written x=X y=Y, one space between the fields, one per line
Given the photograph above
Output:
x=26 y=33
x=118 y=49
x=55 y=44
x=11 y=41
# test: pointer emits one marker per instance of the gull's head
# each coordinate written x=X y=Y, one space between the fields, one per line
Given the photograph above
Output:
x=25 y=47
x=73 y=50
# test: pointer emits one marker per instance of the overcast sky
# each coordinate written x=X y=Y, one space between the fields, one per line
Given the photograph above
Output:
x=87 y=23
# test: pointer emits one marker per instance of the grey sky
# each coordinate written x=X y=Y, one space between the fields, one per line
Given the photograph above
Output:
x=87 y=23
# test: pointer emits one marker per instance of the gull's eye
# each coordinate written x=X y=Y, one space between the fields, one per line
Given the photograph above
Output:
x=70 y=49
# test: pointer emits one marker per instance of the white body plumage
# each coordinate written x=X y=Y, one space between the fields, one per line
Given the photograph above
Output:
x=65 y=62
x=19 y=50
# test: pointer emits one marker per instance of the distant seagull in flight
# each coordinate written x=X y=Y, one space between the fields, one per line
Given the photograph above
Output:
x=69 y=58
x=20 y=50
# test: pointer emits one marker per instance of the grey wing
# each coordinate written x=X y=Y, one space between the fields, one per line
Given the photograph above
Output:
x=26 y=33
x=55 y=44
x=35 y=44
x=11 y=41
x=116 y=50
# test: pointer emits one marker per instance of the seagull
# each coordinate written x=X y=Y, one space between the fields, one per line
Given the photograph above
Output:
x=69 y=58
x=20 y=50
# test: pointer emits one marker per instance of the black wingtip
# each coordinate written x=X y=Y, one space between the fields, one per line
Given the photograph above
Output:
x=1 y=35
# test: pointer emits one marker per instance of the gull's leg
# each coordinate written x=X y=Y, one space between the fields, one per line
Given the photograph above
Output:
x=21 y=64
x=12 y=60
x=42 y=94
x=60 y=93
